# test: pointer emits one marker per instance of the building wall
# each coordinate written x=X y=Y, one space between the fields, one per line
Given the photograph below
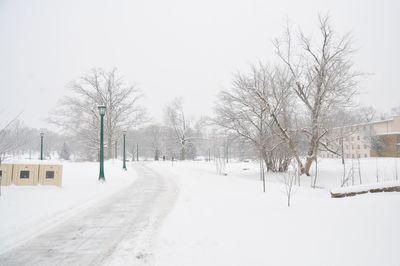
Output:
x=391 y=146
x=6 y=174
x=30 y=179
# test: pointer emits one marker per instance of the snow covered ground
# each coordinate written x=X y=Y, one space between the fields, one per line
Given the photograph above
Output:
x=28 y=211
x=228 y=220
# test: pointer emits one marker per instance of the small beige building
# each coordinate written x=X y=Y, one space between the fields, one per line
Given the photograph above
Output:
x=50 y=175
x=6 y=174
x=25 y=174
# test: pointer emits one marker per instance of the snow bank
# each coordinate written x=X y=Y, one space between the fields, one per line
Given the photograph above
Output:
x=30 y=162
x=371 y=187
x=27 y=211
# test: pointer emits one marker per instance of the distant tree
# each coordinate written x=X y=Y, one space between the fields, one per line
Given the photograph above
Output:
x=65 y=152
x=153 y=136
x=176 y=119
x=78 y=114
x=367 y=114
x=13 y=137
x=395 y=110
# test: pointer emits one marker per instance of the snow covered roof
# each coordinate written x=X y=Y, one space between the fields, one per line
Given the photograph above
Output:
x=389 y=133
x=368 y=123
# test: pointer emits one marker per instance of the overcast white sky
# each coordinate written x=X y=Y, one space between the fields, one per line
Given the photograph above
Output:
x=175 y=48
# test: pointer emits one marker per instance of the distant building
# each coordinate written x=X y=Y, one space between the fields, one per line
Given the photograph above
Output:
x=373 y=139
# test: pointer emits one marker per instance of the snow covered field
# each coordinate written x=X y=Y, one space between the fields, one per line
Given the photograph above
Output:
x=227 y=220
x=28 y=211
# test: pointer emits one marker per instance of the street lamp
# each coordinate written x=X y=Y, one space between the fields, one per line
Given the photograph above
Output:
x=124 y=155
x=41 y=145
x=102 y=111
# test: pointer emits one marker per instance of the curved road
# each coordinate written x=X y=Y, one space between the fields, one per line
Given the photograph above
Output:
x=116 y=231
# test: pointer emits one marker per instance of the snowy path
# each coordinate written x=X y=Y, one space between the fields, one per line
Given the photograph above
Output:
x=118 y=230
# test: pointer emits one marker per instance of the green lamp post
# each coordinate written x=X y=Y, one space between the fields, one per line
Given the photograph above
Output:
x=102 y=111
x=124 y=152
x=41 y=145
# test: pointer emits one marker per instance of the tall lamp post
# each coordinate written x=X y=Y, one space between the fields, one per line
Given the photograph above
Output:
x=124 y=152
x=102 y=111
x=41 y=145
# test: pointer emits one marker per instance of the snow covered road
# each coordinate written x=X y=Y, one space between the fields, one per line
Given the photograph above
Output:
x=116 y=231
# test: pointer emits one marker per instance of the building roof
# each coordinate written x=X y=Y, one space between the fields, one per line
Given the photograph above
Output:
x=368 y=123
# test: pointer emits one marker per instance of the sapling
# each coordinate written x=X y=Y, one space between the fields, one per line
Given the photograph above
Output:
x=316 y=172
x=289 y=179
x=359 y=170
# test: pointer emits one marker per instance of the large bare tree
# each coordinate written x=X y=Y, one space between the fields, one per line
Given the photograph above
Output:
x=78 y=113
x=321 y=77
x=244 y=110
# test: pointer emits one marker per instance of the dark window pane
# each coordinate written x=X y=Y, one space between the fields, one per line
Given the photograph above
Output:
x=1 y=173
x=24 y=174
x=49 y=174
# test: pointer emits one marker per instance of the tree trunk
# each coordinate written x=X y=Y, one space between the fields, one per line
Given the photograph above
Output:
x=313 y=146
x=183 y=152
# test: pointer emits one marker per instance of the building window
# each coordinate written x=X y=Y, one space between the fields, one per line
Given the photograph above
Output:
x=358 y=155
x=352 y=156
x=24 y=175
x=1 y=174
x=352 y=147
x=358 y=137
x=49 y=174
x=358 y=147
x=365 y=155
x=365 y=146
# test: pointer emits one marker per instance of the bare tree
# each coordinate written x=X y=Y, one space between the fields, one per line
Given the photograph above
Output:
x=13 y=136
x=368 y=113
x=176 y=119
x=64 y=153
x=78 y=113
x=395 y=110
x=244 y=110
x=289 y=179
x=322 y=78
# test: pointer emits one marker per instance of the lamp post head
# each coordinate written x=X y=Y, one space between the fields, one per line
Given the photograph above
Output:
x=102 y=109
x=41 y=134
x=124 y=132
